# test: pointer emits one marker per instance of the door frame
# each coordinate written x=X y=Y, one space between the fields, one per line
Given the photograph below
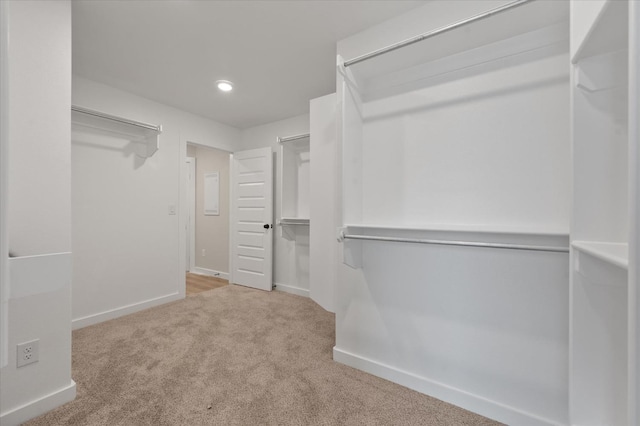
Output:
x=183 y=211
x=191 y=214
x=231 y=218
x=4 y=173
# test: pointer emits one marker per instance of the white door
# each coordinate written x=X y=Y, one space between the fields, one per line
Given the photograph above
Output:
x=191 y=213
x=252 y=218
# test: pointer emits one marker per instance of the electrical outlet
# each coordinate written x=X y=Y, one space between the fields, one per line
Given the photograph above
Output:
x=28 y=352
x=203 y=253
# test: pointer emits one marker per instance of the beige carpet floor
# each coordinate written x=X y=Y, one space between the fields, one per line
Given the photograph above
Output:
x=232 y=356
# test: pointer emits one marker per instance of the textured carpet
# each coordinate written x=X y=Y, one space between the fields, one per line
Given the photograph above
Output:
x=232 y=356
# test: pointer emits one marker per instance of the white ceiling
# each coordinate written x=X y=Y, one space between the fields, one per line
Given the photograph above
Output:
x=279 y=54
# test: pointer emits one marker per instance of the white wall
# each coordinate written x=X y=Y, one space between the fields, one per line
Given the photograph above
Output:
x=295 y=174
x=291 y=246
x=39 y=208
x=39 y=222
x=323 y=253
x=488 y=149
x=482 y=328
x=267 y=134
x=128 y=250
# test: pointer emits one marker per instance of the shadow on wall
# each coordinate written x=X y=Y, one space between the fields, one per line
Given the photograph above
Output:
x=104 y=140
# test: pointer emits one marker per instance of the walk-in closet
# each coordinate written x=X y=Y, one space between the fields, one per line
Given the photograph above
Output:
x=444 y=194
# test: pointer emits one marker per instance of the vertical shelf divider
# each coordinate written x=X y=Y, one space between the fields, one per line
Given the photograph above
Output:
x=603 y=325
x=634 y=213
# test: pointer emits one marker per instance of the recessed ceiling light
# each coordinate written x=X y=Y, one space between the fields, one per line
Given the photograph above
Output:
x=224 y=85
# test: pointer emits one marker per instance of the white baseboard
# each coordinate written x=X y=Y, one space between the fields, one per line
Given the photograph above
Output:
x=39 y=406
x=123 y=310
x=475 y=403
x=292 y=289
x=210 y=273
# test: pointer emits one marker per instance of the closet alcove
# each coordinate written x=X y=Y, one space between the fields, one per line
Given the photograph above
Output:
x=490 y=212
x=456 y=204
x=442 y=134
x=294 y=221
x=295 y=156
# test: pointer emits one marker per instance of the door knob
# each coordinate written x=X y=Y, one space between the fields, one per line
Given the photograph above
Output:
x=266 y=226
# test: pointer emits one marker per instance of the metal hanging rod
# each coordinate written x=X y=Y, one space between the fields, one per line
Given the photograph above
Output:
x=293 y=138
x=99 y=114
x=435 y=32
x=458 y=243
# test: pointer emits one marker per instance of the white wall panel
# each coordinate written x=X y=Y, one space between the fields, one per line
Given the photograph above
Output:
x=323 y=250
x=38 y=64
x=39 y=194
x=489 y=149
x=491 y=323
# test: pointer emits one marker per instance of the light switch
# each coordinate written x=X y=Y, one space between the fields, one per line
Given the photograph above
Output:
x=172 y=209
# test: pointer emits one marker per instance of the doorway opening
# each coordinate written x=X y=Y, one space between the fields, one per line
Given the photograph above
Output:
x=206 y=218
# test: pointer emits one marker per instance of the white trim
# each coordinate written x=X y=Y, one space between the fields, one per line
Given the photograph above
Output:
x=210 y=272
x=4 y=187
x=231 y=217
x=39 y=406
x=124 y=310
x=181 y=278
x=633 y=397
x=475 y=403
x=285 y=288
x=191 y=211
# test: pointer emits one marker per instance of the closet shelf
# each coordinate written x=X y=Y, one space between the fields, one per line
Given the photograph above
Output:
x=294 y=221
x=613 y=253
x=606 y=72
x=526 y=18
x=144 y=134
x=608 y=33
x=463 y=235
x=463 y=228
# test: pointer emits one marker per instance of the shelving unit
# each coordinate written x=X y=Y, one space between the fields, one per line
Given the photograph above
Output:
x=455 y=186
x=599 y=342
x=402 y=168
x=294 y=165
x=146 y=136
x=599 y=26
x=294 y=221
x=441 y=139
x=600 y=360
x=483 y=236
x=614 y=253
x=294 y=224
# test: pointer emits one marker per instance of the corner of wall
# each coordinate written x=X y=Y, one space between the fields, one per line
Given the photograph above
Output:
x=36 y=285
